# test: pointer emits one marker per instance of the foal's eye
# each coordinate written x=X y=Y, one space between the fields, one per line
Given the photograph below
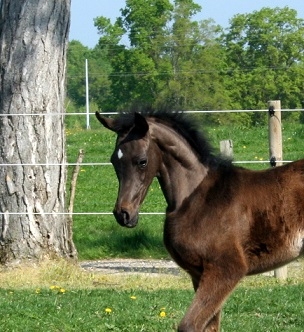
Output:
x=142 y=163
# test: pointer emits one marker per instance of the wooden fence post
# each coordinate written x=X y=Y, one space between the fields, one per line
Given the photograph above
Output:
x=226 y=148
x=276 y=152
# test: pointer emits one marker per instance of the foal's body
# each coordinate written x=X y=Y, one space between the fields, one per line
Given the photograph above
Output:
x=222 y=223
x=220 y=239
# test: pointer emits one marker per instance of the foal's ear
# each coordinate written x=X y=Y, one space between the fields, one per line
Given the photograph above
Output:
x=106 y=122
x=140 y=124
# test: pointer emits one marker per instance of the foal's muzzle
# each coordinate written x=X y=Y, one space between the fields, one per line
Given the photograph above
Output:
x=125 y=217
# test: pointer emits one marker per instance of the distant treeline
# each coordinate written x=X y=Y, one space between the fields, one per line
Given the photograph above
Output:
x=155 y=53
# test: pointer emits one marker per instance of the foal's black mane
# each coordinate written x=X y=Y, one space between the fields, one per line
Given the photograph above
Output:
x=182 y=123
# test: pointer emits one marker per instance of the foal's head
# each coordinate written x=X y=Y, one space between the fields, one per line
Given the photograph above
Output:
x=135 y=162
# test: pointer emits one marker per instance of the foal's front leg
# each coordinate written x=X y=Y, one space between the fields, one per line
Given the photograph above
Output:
x=215 y=285
x=214 y=324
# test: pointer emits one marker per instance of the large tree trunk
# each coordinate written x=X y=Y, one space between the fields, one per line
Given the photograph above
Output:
x=33 y=41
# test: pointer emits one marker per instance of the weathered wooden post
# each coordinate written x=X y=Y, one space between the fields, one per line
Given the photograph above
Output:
x=276 y=152
x=226 y=148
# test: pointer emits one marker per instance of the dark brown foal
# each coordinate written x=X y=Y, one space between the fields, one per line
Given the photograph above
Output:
x=223 y=222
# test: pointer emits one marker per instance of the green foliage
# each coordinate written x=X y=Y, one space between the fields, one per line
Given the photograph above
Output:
x=172 y=59
x=265 y=58
x=110 y=34
x=135 y=69
x=144 y=21
x=77 y=53
x=98 y=68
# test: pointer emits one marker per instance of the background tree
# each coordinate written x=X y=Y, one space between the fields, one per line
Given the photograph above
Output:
x=33 y=39
x=136 y=68
x=265 y=51
x=196 y=60
x=77 y=53
x=170 y=59
x=99 y=69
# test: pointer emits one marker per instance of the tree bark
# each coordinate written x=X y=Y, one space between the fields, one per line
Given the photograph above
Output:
x=33 y=42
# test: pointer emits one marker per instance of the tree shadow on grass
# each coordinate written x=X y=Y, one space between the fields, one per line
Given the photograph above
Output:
x=118 y=242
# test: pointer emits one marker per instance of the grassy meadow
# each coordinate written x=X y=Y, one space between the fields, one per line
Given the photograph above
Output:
x=59 y=296
x=99 y=236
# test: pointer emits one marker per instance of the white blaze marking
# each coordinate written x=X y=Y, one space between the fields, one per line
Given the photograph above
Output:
x=119 y=154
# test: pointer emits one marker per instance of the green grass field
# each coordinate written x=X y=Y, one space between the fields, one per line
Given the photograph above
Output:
x=99 y=236
x=58 y=296
x=110 y=310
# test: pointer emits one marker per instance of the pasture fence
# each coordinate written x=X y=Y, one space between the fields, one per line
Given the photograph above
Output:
x=276 y=152
x=274 y=128
x=226 y=147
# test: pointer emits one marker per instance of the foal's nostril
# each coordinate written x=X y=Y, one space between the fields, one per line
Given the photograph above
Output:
x=125 y=215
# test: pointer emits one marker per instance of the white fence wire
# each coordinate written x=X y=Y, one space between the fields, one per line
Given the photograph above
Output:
x=115 y=113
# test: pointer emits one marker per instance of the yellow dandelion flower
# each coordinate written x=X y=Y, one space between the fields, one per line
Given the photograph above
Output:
x=38 y=291
x=133 y=297
x=162 y=314
x=62 y=290
x=108 y=310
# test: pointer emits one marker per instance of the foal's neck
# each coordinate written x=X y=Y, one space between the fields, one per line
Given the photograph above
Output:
x=180 y=169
